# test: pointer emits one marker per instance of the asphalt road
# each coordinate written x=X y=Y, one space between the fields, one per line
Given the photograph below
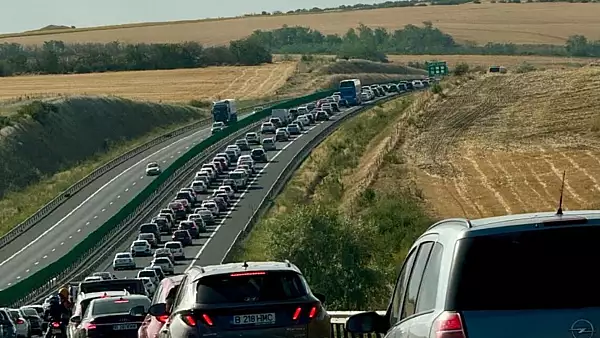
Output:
x=214 y=244
x=84 y=212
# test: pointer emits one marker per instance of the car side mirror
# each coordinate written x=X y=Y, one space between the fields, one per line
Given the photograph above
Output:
x=320 y=297
x=137 y=311
x=367 y=322
x=159 y=309
x=76 y=319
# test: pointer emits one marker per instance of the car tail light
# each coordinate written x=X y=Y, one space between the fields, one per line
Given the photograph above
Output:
x=119 y=301
x=313 y=312
x=189 y=320
x=162 y=319
x=448 y=325
x=55 y=324
x=297 y=313
x=208 y=320
x=20 y=321
x=89 y=326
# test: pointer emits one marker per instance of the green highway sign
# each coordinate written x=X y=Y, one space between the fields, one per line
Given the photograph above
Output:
x=437 y=68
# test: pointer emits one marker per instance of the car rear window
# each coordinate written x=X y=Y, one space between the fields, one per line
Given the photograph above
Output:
x=113 y=306
x=173 y=245
x=147 y=273
x=538 y=269
x=148 y=227
x=14 y=314
x=232 y=288
x=123 y=255
x=29 y=311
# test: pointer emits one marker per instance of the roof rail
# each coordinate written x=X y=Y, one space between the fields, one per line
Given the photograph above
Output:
x=466 y=222
x=287 y=261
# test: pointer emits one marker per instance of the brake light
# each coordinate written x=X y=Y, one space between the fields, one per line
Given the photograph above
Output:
x=313 y=312
x=55 y=324
x=254 y=273
x=189 y=320
x=207 y=320
x=20 y=321
x=89 y=326
x=119 y=301
x=297 y=313
x=162 y=319
x=448 y=325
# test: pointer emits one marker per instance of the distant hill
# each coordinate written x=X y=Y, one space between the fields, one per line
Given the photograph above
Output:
x=53 y=27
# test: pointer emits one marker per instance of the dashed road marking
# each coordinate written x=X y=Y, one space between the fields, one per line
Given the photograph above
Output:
x=62 y=243
x=87 y=223
x=95 y=216
x=118 y=196
x=133 y=183
x=78 y=230
x=53 y=249
x=127 y=189
x=111 y=203
x=45 y=256
x=103 y=210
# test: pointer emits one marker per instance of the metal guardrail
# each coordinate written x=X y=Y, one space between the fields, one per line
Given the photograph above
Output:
x=94 y=257
x=108 y=166
x=338 y=325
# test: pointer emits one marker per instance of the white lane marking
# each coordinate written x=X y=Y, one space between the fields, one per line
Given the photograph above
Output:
x=62 y=243
x=70 y=237
x=18 y=277
x=36 y=263
x=103 y=210
x=27 y=270
x=87 y=223
x=126 y=190
x=95 y=216
x=53 y=249
x=78 y=230
x=118 y=196
x=111 y=203
x=45 y=256
x=236 y=203
x=94 y=194
x=141 y=177
x=133 y=183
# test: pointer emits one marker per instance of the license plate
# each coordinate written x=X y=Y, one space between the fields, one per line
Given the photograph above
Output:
x=56 y=331
x=254 y=319
x=120 y=327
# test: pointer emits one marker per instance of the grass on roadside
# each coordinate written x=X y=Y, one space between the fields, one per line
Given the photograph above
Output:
x=351 y=256
x=15 y=211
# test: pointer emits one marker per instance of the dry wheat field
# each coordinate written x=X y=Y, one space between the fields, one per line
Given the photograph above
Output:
x=179 y=85
x=500 y=144
x=509 y=61
x=549 y=23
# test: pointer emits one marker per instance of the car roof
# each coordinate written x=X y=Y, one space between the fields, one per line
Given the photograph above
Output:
x=519 y=222
x=211 y=270
x=83 y=296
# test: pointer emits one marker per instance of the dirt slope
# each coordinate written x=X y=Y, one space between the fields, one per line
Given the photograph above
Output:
x=500 y=144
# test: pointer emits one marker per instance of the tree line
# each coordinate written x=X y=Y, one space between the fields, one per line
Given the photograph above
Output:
x=373 y=43
x=363 y=42
x=56 y=57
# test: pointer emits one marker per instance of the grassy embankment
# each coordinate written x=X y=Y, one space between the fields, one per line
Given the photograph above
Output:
x=348 y=237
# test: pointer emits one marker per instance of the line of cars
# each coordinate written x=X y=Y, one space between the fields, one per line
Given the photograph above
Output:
x=23 y=322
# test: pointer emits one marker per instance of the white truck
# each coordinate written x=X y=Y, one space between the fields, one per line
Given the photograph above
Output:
x=283 y=114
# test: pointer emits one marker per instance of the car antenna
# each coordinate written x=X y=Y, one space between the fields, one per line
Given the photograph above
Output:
x=560 y=201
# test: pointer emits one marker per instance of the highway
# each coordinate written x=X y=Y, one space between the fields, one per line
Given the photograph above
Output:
x=213 y=245
x=84 y=212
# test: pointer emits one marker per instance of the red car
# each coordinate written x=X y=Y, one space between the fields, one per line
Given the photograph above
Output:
x=165 y=293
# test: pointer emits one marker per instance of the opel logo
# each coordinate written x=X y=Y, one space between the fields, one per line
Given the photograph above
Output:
x=582 y=328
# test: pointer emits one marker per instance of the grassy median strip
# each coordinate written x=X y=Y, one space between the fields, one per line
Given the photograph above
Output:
x=347 y=237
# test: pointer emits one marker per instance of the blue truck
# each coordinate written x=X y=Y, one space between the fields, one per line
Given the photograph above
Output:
x=224 y=111
x=350 y=91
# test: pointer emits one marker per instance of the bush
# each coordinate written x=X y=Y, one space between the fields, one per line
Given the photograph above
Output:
x=461 y=69
x=437 y=88
x=525 y=68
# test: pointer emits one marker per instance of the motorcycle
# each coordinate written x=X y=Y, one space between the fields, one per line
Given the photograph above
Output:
x=56 y=330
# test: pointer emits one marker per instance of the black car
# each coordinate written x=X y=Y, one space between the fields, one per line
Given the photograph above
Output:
x=409 y=85
x=322 y=115
x=335 y=107
x=163 y=224
x=182 y=236
x=191 y=228
x=112 y=317
x=259 y=155
x=231 y=183
x=257 y=299
x=34 y=319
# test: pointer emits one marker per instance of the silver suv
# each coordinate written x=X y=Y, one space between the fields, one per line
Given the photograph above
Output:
x=511 y=276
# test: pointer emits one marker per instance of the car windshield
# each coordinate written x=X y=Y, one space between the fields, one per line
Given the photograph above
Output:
x=14 y=314
x=114 y=306
x=162 y=261
x=123 y=255
x=528 y=270
x=251 y=135
x=255 y=287
x=218 y=124
x=139 y=243
x=257 y=152
x=173 y=245
x=267 y=140
x=29 y=311
x=152 y=165
x=146 y=236
x=180 y=233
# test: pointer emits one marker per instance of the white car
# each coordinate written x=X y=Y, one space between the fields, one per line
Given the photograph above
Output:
x=304 y=119
x=150 y=274
x=150 y=286
x=226 y=189
x=140 y=247
x=152 y=168
x=217 y=127
x=21 y=324
x=267 y=127
x=149 y=237
x=418 y=84
x=212 y=206
x=235 y=148
x=199 y=187
x=207 y=215
x=124 y=260
x=269 y=144
x=365 y=96
x=165 y=264
x=252 y=138
x=337 y=98
x=93 y=279
x=176 y=249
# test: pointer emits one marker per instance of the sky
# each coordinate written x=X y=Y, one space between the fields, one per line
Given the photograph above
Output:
x=26 y=15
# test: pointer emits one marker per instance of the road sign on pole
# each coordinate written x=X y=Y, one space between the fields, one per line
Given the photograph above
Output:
x=437 y=68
